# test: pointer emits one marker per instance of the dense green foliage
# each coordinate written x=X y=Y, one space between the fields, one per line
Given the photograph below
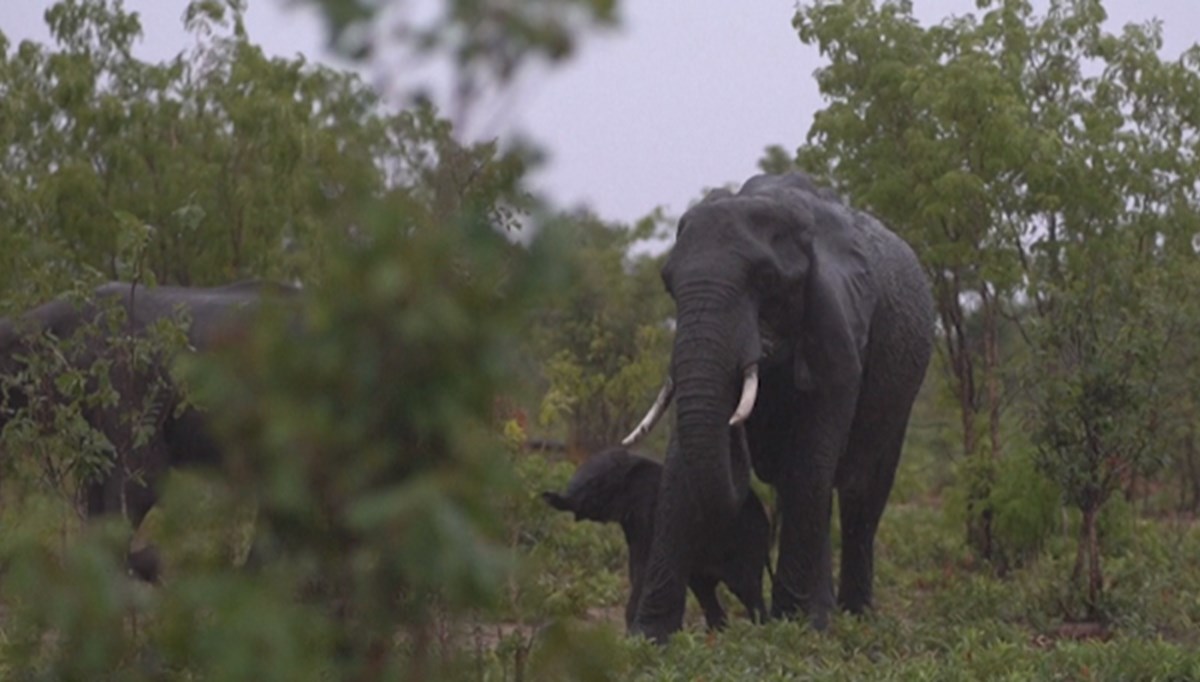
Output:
x=377 y=470
x=606 y=339
x=218 y=165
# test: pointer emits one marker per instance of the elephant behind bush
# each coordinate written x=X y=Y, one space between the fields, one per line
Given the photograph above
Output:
x=147 y=426
x=618 y=486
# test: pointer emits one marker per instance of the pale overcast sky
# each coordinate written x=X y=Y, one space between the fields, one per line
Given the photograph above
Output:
x=679 y=98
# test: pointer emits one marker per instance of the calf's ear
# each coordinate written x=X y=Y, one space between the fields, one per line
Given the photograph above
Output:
x=556 y=500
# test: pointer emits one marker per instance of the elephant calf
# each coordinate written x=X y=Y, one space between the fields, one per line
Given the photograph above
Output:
x=618 y=486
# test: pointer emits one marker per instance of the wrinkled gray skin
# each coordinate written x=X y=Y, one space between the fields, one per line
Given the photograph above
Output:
x=616 y=486
x=836 y=312
x=178 y=439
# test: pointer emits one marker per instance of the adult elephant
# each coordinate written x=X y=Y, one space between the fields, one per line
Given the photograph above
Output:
x=88 y=338
x=803 y=331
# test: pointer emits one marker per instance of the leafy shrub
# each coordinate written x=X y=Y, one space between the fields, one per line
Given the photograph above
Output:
x=1025 y=508
x=568 y=567
x=1022 y=504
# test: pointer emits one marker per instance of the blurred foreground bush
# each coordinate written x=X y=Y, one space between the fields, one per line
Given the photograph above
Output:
x=361 y=426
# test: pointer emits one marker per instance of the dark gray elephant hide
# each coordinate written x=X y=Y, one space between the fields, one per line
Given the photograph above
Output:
x=616 y=486
x=179 y=434
x=811 y=324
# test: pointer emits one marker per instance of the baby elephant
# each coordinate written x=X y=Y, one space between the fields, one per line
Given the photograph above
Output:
x=618 y=486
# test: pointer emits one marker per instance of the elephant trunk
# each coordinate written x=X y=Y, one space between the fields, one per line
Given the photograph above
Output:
x=706 y=473
x=705 y=478
x=703 y=459
x=715 y=345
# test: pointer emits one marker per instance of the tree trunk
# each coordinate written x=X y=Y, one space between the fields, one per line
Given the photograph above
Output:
x=979 y=529
x=991 y=344
x=979 y=516
x=1080 y=554
x=1189 y=493
x=957 y=344
x=1089 y=544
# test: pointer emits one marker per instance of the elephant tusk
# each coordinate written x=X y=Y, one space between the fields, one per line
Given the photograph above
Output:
x=749 y=395
x=652 y=417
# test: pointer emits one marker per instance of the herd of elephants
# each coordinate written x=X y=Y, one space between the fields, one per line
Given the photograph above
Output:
x=803 y=330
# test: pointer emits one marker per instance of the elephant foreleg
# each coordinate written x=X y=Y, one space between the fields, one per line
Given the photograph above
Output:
x=672 y=556
x=637 y=577
x=804 y=574
x=660 y=609
x=119 y=494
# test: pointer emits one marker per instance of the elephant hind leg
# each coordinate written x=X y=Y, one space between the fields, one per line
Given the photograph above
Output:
x=860 y=520
x=748 y=590
x=705 y=588
x=861 y=502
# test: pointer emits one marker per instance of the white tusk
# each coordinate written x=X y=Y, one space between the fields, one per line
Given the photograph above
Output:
x=749 y=394
x=652 y=417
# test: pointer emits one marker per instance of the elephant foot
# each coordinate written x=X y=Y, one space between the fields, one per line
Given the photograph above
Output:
x=817 y=615
x=656 y=633
x=817 y=620
x=715 y=621
x=660 y=615
x=656 y=629
x=857 y=605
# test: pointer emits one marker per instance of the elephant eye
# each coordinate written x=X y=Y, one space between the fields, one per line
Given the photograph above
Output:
x=765 y=280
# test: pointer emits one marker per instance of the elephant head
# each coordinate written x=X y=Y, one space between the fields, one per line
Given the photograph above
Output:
x=613 y=486
x=754 y=274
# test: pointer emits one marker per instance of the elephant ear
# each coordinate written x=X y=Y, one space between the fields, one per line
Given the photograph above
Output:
x=815 y=261
x=638 y=497
x=840 y=297
x=641 y=480
x=802 y=376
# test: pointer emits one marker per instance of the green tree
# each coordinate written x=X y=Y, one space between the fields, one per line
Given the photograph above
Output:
x=1098 y=397
x=487 y=42
x=604 y=339
x=227 y=164
x=990 y=145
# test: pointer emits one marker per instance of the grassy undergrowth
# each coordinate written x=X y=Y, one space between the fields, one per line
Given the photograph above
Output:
x=939 y=614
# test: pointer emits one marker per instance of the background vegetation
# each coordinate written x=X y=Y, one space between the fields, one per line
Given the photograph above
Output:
x=1042 y=525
